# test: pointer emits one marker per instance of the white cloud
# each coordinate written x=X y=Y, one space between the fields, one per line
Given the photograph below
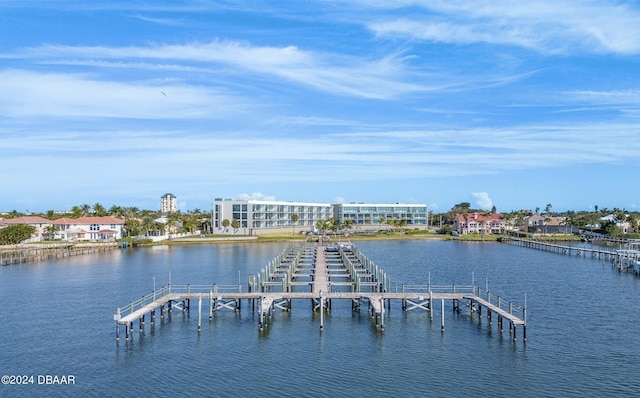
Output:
x=29 y=94
x=381 y=78
x=483 y=200
x=546 y=26
x=254 y=196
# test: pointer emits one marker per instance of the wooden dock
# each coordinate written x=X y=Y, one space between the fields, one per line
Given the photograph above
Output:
x=20 y=254
x=319 y=273
x=623 y=259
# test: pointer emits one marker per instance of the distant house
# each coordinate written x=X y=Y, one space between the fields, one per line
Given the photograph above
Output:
x=548 y=225
x=479 y=223
x=37 y=222
x=624 y=225
x=89 y=228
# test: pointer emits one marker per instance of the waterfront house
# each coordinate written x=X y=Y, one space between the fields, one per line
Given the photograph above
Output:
x=89 y=228
x=544 y=224
x=479 y=223
x=39 y=223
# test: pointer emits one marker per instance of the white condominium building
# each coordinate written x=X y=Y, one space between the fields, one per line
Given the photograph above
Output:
x=259 y=214
x=367 y=213
x=255 y=215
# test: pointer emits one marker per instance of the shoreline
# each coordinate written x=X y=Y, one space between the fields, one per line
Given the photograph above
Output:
x=353 y=238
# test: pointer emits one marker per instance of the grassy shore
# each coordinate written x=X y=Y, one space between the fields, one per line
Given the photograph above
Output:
x=397 y=235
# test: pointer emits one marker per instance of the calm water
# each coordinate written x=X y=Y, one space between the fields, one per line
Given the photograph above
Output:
x=583 y=340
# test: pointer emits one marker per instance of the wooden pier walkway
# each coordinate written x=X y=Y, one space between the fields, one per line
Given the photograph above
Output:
x=320 y=273
x=623 y=259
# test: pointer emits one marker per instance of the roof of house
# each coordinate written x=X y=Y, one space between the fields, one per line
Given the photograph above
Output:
x=25 y=220
x=88 y=220
x=547 y=220
x=481 y=217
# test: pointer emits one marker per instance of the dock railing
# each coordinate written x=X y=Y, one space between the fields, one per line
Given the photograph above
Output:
x=506 y=305
x=426 y=289
x=175 y=289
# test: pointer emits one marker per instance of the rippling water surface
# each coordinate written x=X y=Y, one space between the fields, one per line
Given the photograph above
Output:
x=57 y=319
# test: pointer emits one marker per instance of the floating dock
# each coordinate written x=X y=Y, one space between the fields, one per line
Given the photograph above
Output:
x=320 y=273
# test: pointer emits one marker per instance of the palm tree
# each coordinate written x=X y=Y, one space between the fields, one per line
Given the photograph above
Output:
x=147 y=224
x=132 y=226
x=235 y=224
x=116 y=211
x=190 y=223
x=546 y=221
x=76 y=212
x=50 y=230
x=99 y=210
x=85 y=209
x=294 y=220
x=225 y=224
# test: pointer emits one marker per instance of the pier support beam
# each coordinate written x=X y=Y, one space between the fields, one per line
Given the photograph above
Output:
x=321 y=312
x=442 y=315
x=199 y=315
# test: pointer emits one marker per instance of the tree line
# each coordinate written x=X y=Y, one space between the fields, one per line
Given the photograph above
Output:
x=585 y=220
x=136 y=221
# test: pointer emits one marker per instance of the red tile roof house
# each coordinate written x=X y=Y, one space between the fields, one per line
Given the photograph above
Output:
x=478 y=223
x=38 y=222
x=89 y=228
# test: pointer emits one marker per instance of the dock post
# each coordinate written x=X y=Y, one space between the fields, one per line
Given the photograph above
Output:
x=199 y=314
x=321 y=312
x=142 y=324
x=430 y=305
x=117 y=318
x=261 y=320
x=442 y=317
x=524 y=318
x=382 y=314
x=210 y=305
x=126 y=331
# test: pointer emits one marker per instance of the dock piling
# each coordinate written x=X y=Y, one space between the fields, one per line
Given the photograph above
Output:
x=199 y=315
x=442 y=315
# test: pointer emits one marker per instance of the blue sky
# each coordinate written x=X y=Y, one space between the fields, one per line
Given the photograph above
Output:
x=512 y=104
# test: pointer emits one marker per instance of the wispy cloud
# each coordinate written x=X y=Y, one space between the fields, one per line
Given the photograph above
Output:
x=382 y=78
x=395 y=154
x=544 y=26
x=59 y=95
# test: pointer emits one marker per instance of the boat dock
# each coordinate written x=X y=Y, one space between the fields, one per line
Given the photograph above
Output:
x=319 y=273
x=627 y=259
x=20 y=254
